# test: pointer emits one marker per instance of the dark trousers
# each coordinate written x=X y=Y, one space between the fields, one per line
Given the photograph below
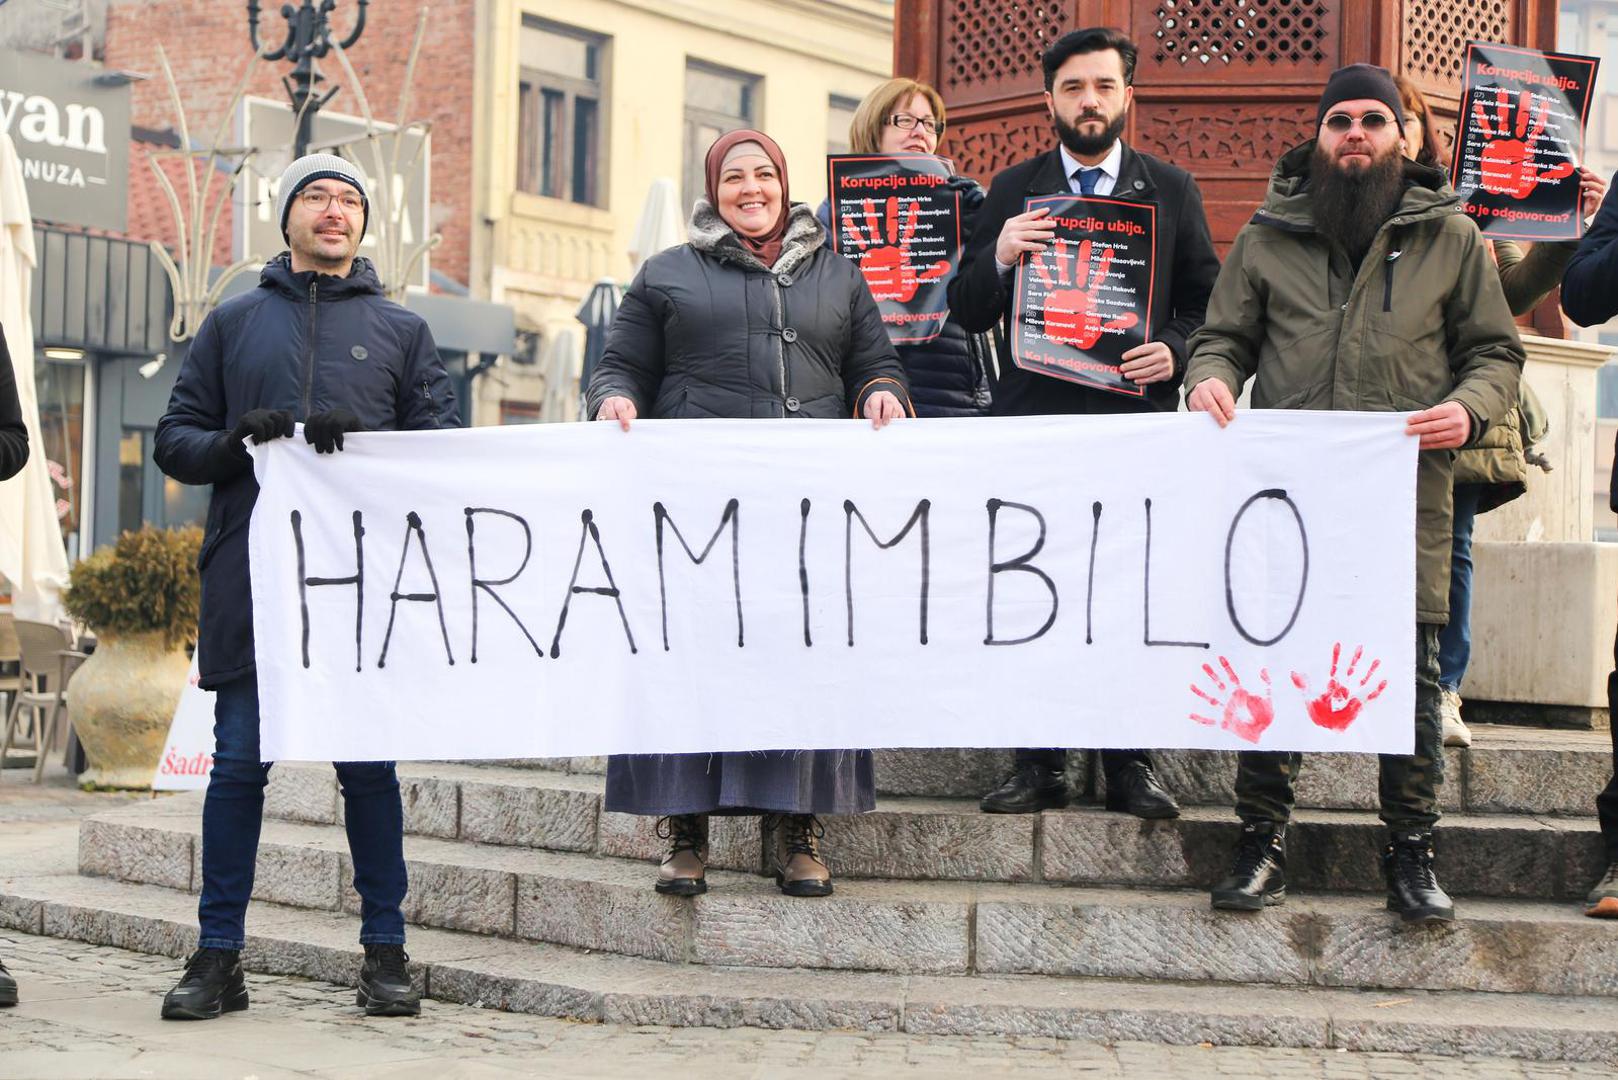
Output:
x=234 y=809
x=1607 y=801
x=1408 y=784
x=1111 y=760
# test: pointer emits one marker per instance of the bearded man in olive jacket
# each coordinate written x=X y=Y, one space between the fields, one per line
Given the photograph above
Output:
x=1357 y=286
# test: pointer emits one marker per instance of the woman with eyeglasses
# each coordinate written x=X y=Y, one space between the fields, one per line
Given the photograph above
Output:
x=949 y=375
x=1495 y=471
x=755 y=317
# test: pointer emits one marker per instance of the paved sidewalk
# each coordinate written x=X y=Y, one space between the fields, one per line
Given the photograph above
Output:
x=91 y=1011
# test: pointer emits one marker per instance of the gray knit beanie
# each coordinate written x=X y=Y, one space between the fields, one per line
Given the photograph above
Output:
x=309 y=168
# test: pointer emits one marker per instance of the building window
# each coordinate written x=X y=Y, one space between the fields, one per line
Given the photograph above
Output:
x=561 y=109
x=716 y=101
x=839 y=119
x=60 y=387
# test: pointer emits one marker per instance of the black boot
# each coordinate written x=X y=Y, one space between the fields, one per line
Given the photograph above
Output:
x=8 y=987
x=1413 y=889
x=1133 y=789
x=212 y=984
x=1028 y=790
x=385 y=986
x=1259 y=876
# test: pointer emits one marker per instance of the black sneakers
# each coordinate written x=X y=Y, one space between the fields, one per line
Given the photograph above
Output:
x=1030 y=789
x=1259 y=876
x=1413 y=889
x=212 y=985
x=385 y=986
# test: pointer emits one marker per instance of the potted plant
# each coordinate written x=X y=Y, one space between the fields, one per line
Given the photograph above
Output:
x=140 y=597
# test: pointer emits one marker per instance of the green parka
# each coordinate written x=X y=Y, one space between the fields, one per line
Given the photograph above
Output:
x=1422 y=321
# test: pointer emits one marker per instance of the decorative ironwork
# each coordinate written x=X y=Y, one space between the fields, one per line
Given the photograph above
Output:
x=988 y=42
x=1436 y=33
x=1199 y=35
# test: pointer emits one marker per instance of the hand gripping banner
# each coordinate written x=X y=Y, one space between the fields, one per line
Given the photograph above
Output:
x=707 y=585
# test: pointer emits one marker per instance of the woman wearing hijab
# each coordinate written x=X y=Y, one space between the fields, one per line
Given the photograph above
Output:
x=1495 y=470
x=949 y=375
x=755 y=317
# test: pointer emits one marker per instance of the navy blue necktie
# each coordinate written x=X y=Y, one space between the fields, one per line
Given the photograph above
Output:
x=1087 y=180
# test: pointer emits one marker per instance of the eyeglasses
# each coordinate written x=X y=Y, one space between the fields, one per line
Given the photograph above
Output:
x=906 y=122
x=1371 y=123
x=316 y=202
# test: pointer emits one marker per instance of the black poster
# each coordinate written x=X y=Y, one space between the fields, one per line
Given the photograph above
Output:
x=1520 y=141
x=1085 y=300
x=898 y=219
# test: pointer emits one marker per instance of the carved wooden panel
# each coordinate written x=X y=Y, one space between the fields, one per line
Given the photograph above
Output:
x=1183 y=40
x=1436 y=33
x=991 y=48
x=981 y=148
x=1212 y=137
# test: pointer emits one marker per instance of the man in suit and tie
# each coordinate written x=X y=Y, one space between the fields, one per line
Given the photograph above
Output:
x=1088 y=91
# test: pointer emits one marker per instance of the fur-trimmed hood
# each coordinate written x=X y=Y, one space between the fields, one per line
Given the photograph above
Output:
x=712 y=236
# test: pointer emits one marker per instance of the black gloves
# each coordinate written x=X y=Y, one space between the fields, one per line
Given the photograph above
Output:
x=324 y=430
x=262 y=425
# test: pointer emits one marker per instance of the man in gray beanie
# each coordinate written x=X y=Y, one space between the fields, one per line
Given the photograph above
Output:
x=317 y=342
x=1357 y=286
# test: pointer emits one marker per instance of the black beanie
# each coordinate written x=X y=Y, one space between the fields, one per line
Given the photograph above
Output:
x=1361 y=81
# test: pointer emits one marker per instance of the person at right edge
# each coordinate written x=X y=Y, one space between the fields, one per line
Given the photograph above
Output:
x=316 y=341
x=1088 y=91
x=1590 y=296
x=13 y=456
x=1357 y=286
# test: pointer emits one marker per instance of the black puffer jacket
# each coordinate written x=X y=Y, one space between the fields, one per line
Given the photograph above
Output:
x=13 y=434
x=706 y=330
x=301 y=342
x=949 y=375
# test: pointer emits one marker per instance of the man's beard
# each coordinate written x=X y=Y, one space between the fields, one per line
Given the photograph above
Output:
x=1350 y=207
x=1081 y=145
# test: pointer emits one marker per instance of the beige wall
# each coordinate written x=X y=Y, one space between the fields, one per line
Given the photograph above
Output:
x=541 y=255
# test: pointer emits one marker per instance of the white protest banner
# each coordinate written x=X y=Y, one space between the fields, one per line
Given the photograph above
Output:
x=1099 y=581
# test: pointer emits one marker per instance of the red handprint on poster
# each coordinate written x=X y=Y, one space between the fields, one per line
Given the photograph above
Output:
x=1340 y=704
x=886 y=258
x=1507 y=163
x=1071 y=315
x=1243 y=712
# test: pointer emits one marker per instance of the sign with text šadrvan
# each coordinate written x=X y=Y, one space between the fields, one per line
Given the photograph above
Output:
x=706 y=585
x=70 y=123
x=1521 y=139
x=1085 y=300
x=899 y=219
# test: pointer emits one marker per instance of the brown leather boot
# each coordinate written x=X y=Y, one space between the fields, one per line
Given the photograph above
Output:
x=685 y=866
x=799 y=869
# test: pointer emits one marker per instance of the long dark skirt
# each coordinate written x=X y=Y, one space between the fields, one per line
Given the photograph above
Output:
x=776 y=781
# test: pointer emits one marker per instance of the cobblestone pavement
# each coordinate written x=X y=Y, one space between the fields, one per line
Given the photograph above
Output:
x=91 y=1011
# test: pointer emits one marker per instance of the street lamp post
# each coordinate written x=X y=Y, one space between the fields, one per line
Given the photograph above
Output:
x=308 y=39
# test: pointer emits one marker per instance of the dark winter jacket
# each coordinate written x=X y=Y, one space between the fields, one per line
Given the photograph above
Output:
x=1186 y=266
x=306 y=343
x=13 y=435
x=1590 y=287
x=706 y=330
x=949 y=375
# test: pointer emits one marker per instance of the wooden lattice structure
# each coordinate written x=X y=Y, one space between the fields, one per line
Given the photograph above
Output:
x=1221 y=88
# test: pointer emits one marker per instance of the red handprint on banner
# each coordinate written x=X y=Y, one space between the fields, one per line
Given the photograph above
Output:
x=1245 y=714
x=1070 y=308
x=1340 y=704
x=1507 y=161
x=885 y=255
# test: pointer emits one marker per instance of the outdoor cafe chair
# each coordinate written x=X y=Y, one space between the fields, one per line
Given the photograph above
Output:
x=48 y=662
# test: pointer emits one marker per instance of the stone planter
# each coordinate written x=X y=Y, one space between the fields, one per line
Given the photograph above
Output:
x=121 y=702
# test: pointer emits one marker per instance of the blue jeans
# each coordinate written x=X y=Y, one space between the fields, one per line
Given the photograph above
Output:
x=1455 y=640
x=235 y=807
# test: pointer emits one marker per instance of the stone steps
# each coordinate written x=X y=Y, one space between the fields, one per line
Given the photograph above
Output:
x=1508 y=769
x=1483 y=854
x=588 y=901
x=553 y=981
